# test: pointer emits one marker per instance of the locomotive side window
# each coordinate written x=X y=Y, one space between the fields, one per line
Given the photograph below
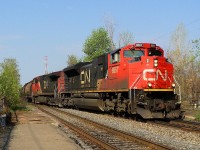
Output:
x=45 y=84
x=115 y=57
x=153 y=52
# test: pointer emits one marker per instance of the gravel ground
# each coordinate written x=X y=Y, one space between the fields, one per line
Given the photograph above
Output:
x=35 y=130
x=175 y=138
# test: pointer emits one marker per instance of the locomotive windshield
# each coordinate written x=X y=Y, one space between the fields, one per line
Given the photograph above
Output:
x=154 y=52
x=133 y=53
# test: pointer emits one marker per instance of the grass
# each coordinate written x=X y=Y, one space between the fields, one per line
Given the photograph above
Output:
x=22 y=106
x=197 y=116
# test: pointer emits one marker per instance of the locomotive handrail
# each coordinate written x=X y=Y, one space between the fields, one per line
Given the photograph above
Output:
x=59 y=92
x=134 y=84
x=179 y=88
x=138 y=79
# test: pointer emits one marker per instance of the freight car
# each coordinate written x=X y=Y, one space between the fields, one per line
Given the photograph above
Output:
x=136 y=79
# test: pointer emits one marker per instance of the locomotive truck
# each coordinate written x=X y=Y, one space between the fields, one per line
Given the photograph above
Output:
x=136 y=79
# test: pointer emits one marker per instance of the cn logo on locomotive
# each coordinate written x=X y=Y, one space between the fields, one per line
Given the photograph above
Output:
x=85 y=76
x=157 y=73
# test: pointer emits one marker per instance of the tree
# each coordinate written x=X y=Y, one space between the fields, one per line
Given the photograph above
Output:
x=179 y=56
x=97 y=44
x=196 y=48
x=125 y=38
x=110 y=28
x=72 y=59
x=195 y=69
x=10 y=82
x=186 y=64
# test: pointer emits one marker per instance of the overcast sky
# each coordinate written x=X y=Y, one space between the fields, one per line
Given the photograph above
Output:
x=33 y=29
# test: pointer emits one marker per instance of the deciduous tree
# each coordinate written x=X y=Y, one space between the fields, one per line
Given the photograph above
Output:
x=72 y=59
x=110 y=28
x=178 y=55
x=97 y=44
x=184 y=59
x=125 y=38
x=10 y=82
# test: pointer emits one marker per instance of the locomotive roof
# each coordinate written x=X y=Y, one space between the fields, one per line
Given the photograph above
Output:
x=54 y=74
x=114 y=51
x=75 y=68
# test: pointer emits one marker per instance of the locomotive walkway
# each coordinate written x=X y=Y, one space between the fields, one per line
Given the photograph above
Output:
x=36 y=131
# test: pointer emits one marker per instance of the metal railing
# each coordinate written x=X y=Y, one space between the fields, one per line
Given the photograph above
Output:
x=134 y=85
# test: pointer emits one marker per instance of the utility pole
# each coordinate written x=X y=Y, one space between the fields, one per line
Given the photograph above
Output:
x=46 y=64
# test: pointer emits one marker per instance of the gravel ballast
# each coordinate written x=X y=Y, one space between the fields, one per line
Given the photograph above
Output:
x=175 y=138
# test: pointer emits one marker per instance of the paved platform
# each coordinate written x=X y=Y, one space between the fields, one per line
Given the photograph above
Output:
x=36 y=131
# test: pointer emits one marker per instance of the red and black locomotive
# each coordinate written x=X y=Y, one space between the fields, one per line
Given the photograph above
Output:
x=136 y=79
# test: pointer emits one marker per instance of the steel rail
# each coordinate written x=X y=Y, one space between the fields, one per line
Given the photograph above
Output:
x=180 y=124
x=122 y=134
x=81 y=132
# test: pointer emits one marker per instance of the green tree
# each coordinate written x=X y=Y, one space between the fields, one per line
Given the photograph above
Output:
x=72 y=59
x=97 y=44
x=10 y=82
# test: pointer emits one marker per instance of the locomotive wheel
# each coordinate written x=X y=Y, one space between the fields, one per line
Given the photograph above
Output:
x=138 y=118
x=60 y=105
x=123 y=115
x=34 y=100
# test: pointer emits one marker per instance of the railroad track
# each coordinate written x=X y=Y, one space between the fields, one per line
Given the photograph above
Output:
x=187 y=125
x=180 y=124
x=100 y=136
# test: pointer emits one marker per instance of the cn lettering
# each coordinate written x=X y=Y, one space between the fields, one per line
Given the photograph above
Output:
x=157 y=74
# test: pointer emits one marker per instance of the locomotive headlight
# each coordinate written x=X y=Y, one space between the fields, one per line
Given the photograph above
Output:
x=155 y=62
x=138 y=45
x=173 y=85
x=149 y=84
x=153 y=45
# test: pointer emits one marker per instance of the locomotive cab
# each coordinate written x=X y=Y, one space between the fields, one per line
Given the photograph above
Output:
x=143 y=70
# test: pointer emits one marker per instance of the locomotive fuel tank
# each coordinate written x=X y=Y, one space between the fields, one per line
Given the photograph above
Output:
x=89 y=101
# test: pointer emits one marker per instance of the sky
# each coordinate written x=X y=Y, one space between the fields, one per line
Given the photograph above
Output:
x=31 y=30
